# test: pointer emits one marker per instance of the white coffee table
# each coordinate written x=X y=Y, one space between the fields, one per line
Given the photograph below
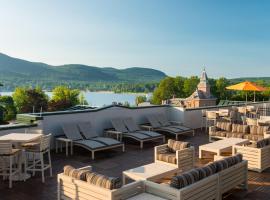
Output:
x=152 y=172
x=220 y=146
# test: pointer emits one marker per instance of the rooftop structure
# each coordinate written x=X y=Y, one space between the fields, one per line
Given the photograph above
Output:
x=200 y=97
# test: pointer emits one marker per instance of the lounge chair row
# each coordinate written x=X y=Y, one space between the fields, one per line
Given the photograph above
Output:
x=207 y=182
x=82 y=133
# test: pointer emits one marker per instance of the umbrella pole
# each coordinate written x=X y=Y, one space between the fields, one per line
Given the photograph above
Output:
x=254 y=96
x=246 y=97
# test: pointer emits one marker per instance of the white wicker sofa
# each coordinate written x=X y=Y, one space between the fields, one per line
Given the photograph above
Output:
x=176 y=153
x=257 y=154
x=74 y=186
x=212 y=180
x=223 y=130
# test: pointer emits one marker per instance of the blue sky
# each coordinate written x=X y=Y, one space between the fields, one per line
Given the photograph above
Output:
x=230 y=38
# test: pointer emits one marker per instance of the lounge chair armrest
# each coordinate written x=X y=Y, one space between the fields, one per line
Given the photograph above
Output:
x=146 y=127
x=267 y=134
x=182 y=152
x=127 y=191
x=176 y=123
x=246 y=148
x=212 y=129
x=161 y=148
x=186 y=158
x=64 y=139
x=113 y=132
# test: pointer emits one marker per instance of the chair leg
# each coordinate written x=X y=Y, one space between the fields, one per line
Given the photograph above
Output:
x=141 y=144
x=50 y=162
x=42 y=167
x=93 y=155
x=34 y=164
x=10 y=171
x=123 y=148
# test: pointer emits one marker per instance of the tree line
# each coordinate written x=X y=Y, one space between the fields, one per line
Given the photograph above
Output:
x=28 y=100
x=182 y=87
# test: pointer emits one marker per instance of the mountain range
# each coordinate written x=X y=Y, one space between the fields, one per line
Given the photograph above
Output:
x=14 y=70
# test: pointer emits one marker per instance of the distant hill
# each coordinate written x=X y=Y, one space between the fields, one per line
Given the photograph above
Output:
x=15 y=72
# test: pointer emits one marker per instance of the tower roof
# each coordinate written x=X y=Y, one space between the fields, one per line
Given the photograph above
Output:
x=204 y=77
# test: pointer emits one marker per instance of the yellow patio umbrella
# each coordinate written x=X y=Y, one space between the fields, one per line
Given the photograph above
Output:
x=247 y=86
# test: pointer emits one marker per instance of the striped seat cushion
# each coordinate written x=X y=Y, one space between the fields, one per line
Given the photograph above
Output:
x=234 y=135
x=219 y=133
x=192 y=176
x=182 y=180
x=103 y=181
x=258 y=130
x=167 y=157
x=239 y=128
x=253 y=137
x=224 y=126
x=261 y=143
x=75 y=173
x=174 y=145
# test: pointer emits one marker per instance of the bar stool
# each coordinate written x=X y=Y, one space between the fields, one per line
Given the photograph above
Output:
x=9 y=167
x=38 y=153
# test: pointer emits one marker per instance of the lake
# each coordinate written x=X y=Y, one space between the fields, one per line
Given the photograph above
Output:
x=99 y=99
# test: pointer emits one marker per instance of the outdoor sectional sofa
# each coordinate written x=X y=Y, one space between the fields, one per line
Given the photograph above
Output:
x=223 y=130
x=207 y=182
x=83 y=184
x=257 y=154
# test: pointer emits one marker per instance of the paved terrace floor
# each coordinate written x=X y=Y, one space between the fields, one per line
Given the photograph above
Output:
x=112 y=163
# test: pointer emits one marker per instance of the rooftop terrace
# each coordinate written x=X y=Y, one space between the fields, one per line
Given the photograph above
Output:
x=112 y=163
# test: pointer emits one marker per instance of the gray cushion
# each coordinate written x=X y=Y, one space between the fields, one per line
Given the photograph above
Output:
x=87 y=130
x=131 y=125
x=71 y=131
x=119 y=125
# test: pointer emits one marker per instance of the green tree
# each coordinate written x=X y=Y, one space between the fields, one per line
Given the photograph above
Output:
x=165 y=90
x=9 y=108
x=140 y=99
x=221 y=91
x=64 y=97
x=61 y=93
x=28 y=100
x=190 y=85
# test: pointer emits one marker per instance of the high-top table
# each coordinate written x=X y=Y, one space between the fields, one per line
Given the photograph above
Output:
x=17 y=139
x=21 y=138
x=224 y=145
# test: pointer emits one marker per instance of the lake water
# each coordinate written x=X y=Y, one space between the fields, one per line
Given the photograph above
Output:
x=99 y=99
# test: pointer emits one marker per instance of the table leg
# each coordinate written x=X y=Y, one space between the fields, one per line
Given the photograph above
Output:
x=71 y=148
x=124 y=179
x=61 y=146
x=56 y=146
x=66 y=148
